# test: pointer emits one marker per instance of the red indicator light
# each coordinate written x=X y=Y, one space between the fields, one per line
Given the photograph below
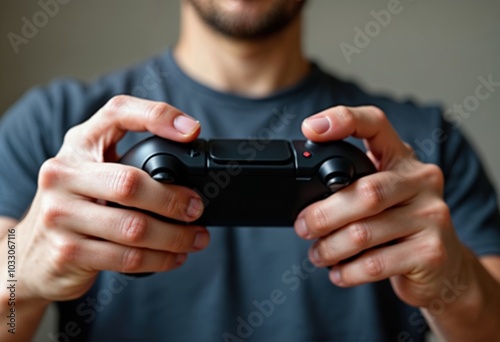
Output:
x=307 y=154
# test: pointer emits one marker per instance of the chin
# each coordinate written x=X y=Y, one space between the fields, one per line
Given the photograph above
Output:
x=245 y=7
x=247 y=19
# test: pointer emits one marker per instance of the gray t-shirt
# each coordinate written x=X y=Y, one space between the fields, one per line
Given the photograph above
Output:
x=250 y=284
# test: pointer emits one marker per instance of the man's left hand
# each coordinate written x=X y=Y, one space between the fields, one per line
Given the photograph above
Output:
x=392 y=224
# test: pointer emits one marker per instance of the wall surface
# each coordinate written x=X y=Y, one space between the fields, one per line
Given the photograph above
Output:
x=428 y=51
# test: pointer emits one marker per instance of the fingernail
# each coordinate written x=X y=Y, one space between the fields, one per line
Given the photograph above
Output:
x=319 y=125
x=195 y=208
x=180 y=258
x=201 y=240
x=301 y=228
x=335 y=275
x=185 y=124
x=315 y=256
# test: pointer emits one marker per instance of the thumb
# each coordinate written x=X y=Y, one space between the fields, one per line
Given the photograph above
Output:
x=368 y=123
x=125 y=113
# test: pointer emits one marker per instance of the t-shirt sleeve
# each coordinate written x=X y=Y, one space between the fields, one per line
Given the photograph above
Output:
x=32 y=131
x=470 y=195
x=23 y=149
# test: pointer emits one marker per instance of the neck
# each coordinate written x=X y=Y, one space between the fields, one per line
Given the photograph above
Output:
x=248 y=68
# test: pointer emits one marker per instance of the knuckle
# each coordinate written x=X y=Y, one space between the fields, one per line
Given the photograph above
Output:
x=408 y=147
x=403 y=171
x=132 y=259
x=360 y=235
x=116 y=104
x=438 y=213
x=90 y=136
x=317 y=220
x=51 y=212
x=442 y=214
x=72 y=135
x=66 y=251
x=372 y=194
x=378 y=114
x=82 y=137
x=434 y=251
x=134 y=228
x=433 y=176
x=373 y=266
x=126 y=184
x=50 y=173
x=159 y=111
x=345 y=115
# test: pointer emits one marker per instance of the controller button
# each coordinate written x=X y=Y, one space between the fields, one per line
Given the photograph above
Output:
x=164 y=177
x=193 y=153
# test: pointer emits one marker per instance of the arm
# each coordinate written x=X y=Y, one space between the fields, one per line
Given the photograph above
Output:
x=478 y=305
x=400 y=229
x=5 y=224
x=27 y=314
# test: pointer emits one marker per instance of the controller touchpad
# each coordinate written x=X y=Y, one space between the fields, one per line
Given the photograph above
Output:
x=250 y=151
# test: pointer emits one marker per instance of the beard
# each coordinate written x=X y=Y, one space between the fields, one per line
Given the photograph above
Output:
x=251 y=23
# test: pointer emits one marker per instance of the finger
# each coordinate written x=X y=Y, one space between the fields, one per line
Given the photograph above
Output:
x=125 y=113
x=366 y=197
x=368 y=123
x=103 y=255
x=357 y=237
x=132 y=187
x=131 y=228
x=375 y=265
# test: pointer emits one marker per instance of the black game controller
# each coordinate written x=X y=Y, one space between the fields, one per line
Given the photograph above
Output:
x=252 y=182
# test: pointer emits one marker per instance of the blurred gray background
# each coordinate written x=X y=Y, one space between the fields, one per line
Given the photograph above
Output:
x=432 y=51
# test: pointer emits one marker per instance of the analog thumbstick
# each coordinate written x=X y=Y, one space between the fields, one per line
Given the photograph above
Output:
x=162 y=168
x=336 y=173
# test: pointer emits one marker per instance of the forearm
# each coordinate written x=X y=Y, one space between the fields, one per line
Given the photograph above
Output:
x=20 y=317
x=20 y=322
x=469 y=311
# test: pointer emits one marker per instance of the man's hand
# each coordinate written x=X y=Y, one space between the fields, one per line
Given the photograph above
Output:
x=392 y=224
x=68 y=235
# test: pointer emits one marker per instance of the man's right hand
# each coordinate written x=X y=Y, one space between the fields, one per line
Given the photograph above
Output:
x=69 y=235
